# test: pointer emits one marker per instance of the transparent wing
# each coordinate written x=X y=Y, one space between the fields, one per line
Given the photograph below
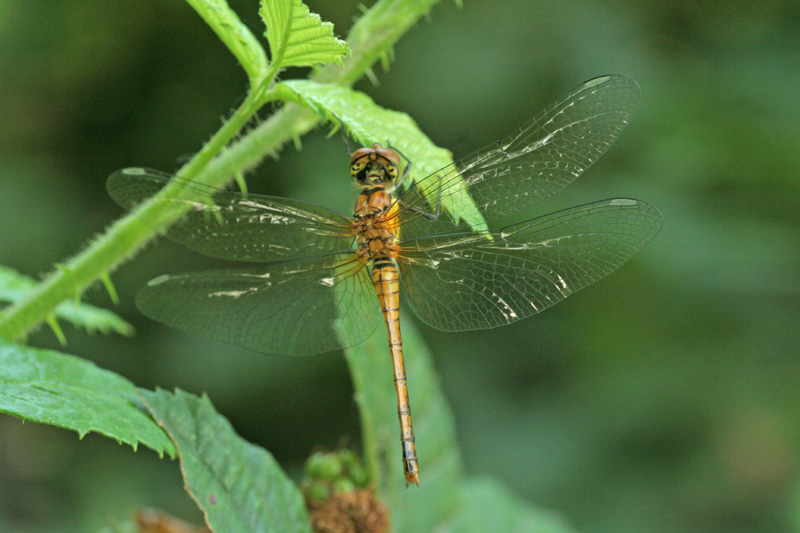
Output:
x=529 y=165
x=297 y=308
x=230 y=225
x=470 y=281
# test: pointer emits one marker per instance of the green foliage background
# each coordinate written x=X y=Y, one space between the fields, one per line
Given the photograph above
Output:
x=664 y=398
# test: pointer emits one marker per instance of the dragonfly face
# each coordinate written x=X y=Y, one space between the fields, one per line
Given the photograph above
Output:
x=314 y=289
x=376 y=166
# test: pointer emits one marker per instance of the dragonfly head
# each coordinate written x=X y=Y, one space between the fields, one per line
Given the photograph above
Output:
x=370 y=167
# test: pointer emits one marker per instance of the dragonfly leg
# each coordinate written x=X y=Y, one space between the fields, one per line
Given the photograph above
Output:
x=437 y=210
x=344 y=134
x=405 y=170
x=419 y=211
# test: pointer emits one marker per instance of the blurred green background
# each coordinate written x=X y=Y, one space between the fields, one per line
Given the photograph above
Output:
x=664 y=398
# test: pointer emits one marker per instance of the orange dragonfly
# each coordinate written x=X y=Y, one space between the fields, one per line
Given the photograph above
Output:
x=318 y=291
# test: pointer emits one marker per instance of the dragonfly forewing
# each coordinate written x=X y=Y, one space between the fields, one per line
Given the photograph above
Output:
x=297 y=308
x=230 y=225
x=492 y=280
x=529 y=165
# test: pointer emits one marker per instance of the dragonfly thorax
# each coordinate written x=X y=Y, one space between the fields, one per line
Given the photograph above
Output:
x=374 y=167
x=375 y=224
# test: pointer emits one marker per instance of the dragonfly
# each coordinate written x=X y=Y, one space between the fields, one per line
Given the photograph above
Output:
x=325 y=281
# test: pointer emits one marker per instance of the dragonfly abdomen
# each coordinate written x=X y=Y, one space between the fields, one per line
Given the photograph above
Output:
x=386 y=279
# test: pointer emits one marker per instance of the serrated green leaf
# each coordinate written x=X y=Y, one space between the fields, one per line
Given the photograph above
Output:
x=486 y=505
x=239 y=486
x=235 y=35
x=299 y=38
x=65 y=391
x=431 y=504
x=15 y=286
x=368 y=123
